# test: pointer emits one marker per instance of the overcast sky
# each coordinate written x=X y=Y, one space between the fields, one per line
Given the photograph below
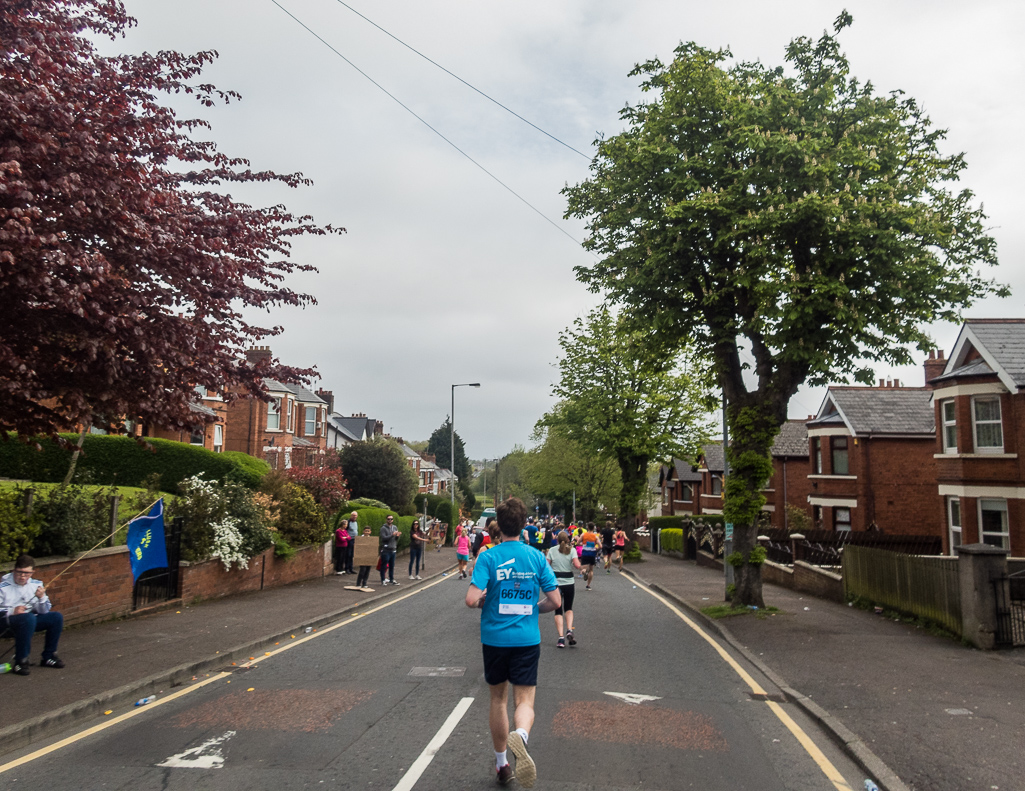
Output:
x=444 y=276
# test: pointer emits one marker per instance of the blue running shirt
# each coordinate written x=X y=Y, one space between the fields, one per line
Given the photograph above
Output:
x=513 y=575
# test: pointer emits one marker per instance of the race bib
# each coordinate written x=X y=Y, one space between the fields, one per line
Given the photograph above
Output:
x=515 y=597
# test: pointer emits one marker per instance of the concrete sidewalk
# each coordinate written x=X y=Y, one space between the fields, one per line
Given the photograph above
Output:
x=941 y=716
x=110 y=665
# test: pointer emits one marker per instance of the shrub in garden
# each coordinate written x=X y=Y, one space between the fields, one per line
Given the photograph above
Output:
x=301 y=520
x=657 y=523
x=445 y=513
x=365 y=502
x=327 y=485
x=633 y=553
x=672 y=539
x=17 y=532
x=247 y=470
x=374 y=518
x=221 y=519
x=73 y=519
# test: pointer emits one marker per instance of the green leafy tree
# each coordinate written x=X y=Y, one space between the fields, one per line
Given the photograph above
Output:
x=559 y=467
x=440 y=444
x=377 y=469
x=792 y=211
x=511 y=476
x=626 y=398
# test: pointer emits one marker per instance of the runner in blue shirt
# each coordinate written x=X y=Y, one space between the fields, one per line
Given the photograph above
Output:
x=507 y=585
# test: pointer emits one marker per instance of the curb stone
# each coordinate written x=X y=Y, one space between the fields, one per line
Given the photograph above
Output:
x=855 y=747
x=16 y=737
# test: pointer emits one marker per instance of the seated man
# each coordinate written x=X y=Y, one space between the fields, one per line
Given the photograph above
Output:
x=24 y=610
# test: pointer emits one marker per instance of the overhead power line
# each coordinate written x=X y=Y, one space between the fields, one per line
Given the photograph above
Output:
x=464 y=82
x=409 y=110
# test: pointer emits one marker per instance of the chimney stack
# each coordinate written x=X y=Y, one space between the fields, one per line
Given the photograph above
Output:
x=934 y=366
x=882 y=383
x=259 y=354
x=328 y=396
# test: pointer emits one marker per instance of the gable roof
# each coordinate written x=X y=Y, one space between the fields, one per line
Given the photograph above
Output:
x=792 y=439
x=712 y=457
x=306 y=396
x=684 y=471
x=336 y=422
x=355 y=426
x=878 y=410
x=1001 y=345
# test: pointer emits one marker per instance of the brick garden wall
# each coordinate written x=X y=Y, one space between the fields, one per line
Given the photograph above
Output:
x=99 y=587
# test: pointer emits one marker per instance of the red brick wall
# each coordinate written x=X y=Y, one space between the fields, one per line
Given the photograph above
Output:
x=798 y=487
x=209 y=580
x=99 y=587
x=96 y=588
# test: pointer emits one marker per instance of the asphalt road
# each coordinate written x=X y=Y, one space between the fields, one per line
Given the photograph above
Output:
x=394 y=699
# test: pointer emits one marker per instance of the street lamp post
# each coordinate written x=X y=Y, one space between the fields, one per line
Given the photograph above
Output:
x=452 y=432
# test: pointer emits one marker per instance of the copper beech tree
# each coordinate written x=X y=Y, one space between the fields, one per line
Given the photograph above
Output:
x=124 y=262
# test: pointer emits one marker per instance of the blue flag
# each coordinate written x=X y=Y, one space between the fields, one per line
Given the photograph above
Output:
x=146 y=548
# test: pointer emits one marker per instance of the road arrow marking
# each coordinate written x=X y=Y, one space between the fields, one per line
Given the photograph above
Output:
x=634 y=700
x=206 y=756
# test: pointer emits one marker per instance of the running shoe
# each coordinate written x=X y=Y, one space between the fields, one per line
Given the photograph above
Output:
x=505 y=775
x=571 y=638
x=20 y=667
x=419 y=577
x=52 y=661
x=526 y=772
x=587 y=588
x=561 y=642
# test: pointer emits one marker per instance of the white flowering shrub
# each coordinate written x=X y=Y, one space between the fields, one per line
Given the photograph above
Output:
x=223 y=520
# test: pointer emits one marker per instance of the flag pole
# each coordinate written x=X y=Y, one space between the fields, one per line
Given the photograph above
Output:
x=104 y=540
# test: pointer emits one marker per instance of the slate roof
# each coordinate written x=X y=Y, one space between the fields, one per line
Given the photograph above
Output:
x=302 y=442
x=306 y=396
x=684 y=471
x=714 y=459
x=201 y=409
x=974 y=368
x=1004 y=339
x=886 y=410
x=335 y=420
x=792 y=439
x=355 y=426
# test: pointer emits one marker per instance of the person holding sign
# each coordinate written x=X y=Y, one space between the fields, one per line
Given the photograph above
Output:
x=507 y=585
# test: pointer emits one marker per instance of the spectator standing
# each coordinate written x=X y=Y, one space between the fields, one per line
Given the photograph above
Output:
x=24 y=610
x=341 y=547
x=389 y=538
x=417 y=539
x=366 y=553
x=507 y=585
x=353 y=526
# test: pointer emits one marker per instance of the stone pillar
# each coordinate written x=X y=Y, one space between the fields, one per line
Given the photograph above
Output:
x=794 y=538
x=978 y=565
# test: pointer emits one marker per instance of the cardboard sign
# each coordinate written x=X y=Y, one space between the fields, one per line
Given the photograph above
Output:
x=365 y=552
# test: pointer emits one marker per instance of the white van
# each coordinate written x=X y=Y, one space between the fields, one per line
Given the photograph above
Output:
x=488 y=513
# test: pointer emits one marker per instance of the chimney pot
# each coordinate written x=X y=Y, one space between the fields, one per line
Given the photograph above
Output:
x=882 y=383
x=896 y=382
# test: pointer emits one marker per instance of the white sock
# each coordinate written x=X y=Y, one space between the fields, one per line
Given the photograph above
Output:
x=523 y=734
x=500 y=759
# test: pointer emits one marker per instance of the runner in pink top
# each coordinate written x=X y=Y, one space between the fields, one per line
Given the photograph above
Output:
x=462 y=550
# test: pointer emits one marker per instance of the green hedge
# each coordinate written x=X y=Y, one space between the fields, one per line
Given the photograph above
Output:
x=671 y=539
x=123 y=461
x=374 y=518
x=662 y=522
x=445 y=513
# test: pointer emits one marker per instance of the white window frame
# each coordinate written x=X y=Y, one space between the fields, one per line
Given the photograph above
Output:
x=713 y=487
x=999 y=506
x=998 y=422
x=218 y=437
x=841 y=527
x=310 y=421
x=816 y=456
x=954 y=522
x=291 y=420
x=201 y=432
x=274 y=410
x=948 y=425
x=833 y=450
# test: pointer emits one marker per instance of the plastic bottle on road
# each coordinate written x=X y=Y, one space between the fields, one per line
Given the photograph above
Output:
x=144 y=701
x=5 y=668
x=870 y=786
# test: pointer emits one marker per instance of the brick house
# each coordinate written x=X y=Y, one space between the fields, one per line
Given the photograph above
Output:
x=789 y=484
x=711 y=465
x=680 y=485
x=979 y=402
x=871 y=452
x=208 y=431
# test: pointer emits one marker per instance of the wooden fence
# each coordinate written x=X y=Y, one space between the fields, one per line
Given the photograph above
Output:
x=924 y=586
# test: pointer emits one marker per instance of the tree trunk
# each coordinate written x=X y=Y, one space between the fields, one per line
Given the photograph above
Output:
x=74 y=456
x=633 y=470
x=753 y=429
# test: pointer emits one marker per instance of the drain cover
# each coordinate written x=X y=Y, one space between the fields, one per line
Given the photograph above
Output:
x=437 y=671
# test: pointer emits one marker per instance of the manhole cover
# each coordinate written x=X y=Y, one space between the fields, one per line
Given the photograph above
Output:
x=437 y=671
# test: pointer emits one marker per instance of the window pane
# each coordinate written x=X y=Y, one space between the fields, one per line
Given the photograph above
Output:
x=274 y=414
x=989 y=435
x=987 y=409
x=955 y=512
x=311 y=421
x=950 y=437
x=948 y=412
x=994 y=522
x=840 y=466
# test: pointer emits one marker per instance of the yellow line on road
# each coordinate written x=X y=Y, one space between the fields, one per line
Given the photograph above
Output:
x=102 y=726
x=803 y=739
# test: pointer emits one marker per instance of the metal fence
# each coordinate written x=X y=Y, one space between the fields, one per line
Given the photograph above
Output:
x=924 y=586
x=1010 y=601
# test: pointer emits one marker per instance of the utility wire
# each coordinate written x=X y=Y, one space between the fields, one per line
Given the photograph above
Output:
x=395 y=99
x=464 y=82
